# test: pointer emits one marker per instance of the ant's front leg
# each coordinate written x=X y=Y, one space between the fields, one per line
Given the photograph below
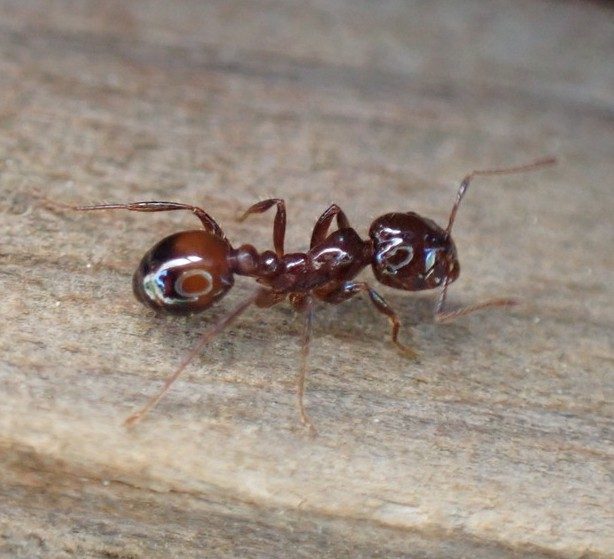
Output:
x=348 y=289
x=447 y=316
x=279 y=225
x=320 y=229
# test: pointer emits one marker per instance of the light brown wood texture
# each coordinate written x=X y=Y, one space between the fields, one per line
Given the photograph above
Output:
x=497 y=442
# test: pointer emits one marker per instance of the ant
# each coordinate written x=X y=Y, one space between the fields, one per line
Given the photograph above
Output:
x=188 y=271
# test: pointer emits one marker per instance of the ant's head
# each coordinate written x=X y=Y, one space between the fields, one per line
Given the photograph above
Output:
x=184 y=273
x=412 y=253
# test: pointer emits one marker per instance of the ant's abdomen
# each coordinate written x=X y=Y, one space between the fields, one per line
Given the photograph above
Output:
x=185 y=272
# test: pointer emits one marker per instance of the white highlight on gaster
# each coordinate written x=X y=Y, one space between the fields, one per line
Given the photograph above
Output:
x=190 y=274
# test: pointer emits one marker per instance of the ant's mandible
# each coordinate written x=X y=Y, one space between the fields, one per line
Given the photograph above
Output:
x=189 y=271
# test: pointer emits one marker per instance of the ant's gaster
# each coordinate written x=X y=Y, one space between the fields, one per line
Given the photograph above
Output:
x=189 y=271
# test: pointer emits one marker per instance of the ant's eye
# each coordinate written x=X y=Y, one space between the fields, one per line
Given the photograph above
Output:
x=429 y=260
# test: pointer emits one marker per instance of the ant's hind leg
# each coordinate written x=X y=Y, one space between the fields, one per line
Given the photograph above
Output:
x=279 y=225
x=303 y=302
x=150 y=206
x=207 y=336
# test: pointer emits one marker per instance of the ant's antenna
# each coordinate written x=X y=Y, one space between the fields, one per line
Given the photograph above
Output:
x=440 y=314
x=462 y=189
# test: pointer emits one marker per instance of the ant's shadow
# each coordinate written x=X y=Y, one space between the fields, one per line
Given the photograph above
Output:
x=353 y=321
x=357 y=320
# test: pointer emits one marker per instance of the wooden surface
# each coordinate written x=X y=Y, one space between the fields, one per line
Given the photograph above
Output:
x=496 y=443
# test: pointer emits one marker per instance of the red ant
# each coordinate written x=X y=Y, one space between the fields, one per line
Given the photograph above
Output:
x=189 y=271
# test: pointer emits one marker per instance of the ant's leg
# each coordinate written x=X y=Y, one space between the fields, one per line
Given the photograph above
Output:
x=213 y=331
x=267 y=299
x=279 y=225
x=350 y=288
x=306 y=305
x=320 y=230
x=445 y=316
x=152 y=206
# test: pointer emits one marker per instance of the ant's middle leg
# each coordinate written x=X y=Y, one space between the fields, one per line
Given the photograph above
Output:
x=279 y=225
x=303 y=302
x=320 y=229
x=349 y=289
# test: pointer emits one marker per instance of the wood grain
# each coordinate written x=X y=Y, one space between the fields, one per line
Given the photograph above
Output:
x=497 y=442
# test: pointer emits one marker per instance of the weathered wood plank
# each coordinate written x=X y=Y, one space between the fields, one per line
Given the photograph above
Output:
x=496 y=443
